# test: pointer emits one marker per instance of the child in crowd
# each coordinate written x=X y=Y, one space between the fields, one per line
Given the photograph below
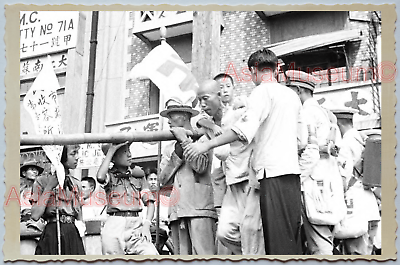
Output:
x=125 y=232
x=46 y=199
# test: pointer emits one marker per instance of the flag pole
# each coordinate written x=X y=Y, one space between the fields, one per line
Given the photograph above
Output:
x=84 y=138
x=163 y=36
x=58 y=224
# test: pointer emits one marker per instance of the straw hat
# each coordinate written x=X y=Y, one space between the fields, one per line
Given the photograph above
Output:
x=176 y=105
x=30 y=164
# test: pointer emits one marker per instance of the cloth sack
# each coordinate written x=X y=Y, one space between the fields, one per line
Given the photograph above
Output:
x=355 y=222
x=324 y=199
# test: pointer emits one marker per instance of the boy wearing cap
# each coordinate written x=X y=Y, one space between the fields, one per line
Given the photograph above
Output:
x=29 y=171
x=192 y=214
x=319 y=236
x=271 y=121
x=350 y=165
x=124 y=232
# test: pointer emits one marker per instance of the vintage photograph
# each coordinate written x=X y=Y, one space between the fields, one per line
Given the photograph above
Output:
x=201 y=133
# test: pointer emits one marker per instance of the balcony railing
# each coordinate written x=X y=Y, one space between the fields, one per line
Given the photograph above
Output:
x=341 y=75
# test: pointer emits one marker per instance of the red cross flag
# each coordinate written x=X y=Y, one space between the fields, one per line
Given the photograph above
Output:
x=168 y=72
x=41 y=103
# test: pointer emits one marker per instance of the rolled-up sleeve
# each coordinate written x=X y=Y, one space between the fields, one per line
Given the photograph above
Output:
x=258 y=108
x=200 y=163
x=106 y=183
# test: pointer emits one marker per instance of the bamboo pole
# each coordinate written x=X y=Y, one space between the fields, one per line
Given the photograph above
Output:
x=163 y=37
x=58 y=225
x=86 y=138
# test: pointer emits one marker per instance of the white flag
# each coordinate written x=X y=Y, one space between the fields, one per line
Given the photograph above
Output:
x=41 y=103
x=168 y=72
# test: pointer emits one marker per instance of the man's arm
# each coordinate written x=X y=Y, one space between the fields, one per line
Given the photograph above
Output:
x=42 y=197
x=101 y=173
x=209 y=125
x=199 y=163
x=148 y=198
x=192 y=150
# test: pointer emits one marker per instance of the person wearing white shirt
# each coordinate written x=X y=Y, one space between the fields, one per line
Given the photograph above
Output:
x=92 y=208
x=350 y=164
x=325 y=171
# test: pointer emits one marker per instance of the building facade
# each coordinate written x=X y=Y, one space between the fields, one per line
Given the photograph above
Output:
x=340 y=48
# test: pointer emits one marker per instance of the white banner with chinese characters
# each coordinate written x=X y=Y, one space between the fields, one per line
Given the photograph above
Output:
x=44 y=32
x=41 y=103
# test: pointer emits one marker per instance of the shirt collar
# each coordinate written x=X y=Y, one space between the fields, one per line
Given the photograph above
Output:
x=350 y=132
x=120 y=174
x=116 y=170
x=311 y=102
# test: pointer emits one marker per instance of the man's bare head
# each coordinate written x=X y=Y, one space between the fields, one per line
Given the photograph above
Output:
x=210 y=86
x=209 y=97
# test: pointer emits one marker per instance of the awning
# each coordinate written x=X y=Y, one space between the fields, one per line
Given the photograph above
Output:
x=313 y=42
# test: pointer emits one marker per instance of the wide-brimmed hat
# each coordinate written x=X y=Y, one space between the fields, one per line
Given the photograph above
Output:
x=301 y=79
x=344 y=113
x=31 y=163
x=175 y=105
x=106 y=147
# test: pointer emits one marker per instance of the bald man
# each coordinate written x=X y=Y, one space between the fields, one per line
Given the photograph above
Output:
x=211 y=106
x=239 y=223
x=211 y=118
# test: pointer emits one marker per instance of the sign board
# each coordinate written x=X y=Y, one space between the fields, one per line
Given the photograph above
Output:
x=45 y=32
x=90 y=155
x=357 y=97
x=33 y=66
x=139 y=149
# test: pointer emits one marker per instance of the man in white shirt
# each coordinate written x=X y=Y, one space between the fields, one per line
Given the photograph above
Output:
x=152 y=180
x=92 y=208
x=271 y=122
x=350 y=164
x=319 y=236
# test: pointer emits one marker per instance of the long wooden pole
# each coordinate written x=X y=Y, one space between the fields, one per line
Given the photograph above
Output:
x=86 y=138
x=163 y=35
x=58 y=225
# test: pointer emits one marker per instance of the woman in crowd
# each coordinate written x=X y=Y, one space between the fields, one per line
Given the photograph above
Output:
x=47 y=198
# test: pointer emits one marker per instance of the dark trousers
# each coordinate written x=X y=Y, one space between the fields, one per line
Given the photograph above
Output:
x=280 y=202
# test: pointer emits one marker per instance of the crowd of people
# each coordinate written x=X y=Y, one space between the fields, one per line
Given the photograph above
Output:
x=273 y=173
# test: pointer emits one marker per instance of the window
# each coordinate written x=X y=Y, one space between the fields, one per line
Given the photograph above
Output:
x=328 y=64
x=154 y=99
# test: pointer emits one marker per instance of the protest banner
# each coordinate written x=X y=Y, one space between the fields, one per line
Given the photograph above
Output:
x=41 y=103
